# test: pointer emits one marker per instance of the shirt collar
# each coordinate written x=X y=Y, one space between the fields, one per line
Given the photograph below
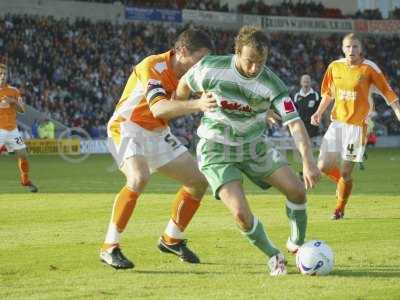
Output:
x=301 y=93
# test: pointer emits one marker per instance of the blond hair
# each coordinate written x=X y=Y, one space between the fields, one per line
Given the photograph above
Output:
x=352 y=37
x=253 y=37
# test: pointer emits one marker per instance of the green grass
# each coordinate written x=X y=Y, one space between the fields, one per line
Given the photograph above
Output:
x=49 y=241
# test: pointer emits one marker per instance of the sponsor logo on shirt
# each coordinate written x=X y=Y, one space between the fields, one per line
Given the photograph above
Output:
x=225 y=104
x=347 y=95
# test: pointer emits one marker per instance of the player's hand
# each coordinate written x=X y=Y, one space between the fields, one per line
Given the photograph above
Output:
x=311 y=175
x=207 y=102
x=272 y=118
x=316 y=119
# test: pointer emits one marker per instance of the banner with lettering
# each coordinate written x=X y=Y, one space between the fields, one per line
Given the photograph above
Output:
x=272 y=23
x=133 y=13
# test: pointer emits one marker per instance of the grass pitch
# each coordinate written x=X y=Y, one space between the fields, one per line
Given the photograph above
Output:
x=49 y=241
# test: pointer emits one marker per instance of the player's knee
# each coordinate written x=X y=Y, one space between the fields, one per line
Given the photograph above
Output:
x=197 y=183
x=137 y=181
x=346 y=175
x=324 y=167
x=22 y=154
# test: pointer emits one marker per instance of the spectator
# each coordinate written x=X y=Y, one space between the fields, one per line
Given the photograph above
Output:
x=47 y=129
x=307 y=101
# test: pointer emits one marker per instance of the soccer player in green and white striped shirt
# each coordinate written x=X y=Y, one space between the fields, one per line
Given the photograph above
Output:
x=233 y=141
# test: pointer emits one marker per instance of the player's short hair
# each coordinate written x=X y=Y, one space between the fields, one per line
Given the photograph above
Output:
x=352 y=37
x=251 y=36
x=193 y=39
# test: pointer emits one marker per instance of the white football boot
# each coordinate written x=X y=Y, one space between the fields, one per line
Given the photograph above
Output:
x=276 y=265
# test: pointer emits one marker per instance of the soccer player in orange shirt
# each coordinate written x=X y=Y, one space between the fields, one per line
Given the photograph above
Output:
x=141 y=143
x=11 y=103
x=349 y=82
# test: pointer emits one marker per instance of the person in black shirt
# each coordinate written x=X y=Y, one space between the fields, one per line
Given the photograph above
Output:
x=307 y=101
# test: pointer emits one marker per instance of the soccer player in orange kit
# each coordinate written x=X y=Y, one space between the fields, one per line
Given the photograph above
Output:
x=349 y=82
x=141 y=143
x=11 y=103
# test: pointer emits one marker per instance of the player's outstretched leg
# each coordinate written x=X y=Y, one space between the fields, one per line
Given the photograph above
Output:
x=172 y=241
x=232 y=195
x=258 y=237
x=343 y=190
x=297 y=216
x=137 y=175
x=289 y=184
x=187 y=201
x=23 y=167
x=110 y=252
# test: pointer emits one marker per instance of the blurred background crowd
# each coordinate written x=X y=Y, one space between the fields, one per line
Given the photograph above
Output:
x=75 y=72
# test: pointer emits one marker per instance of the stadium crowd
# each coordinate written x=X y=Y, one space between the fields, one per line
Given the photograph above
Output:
x=75 y=71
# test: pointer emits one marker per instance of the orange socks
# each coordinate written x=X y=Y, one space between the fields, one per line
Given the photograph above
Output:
x=343 y=189
x=183 y=209
x=23 y=166
x=124 y=205
x=343 y=193
x=334 y=174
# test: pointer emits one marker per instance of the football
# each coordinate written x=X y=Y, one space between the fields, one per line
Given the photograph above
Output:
x=315 y=258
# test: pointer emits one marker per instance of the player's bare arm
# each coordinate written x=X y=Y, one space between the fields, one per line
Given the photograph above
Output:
x=272 y=118
x=206 y=102
x=182 y=91
x=396 y=108
x=324 y=104
x=179 y=106
x=311 y=172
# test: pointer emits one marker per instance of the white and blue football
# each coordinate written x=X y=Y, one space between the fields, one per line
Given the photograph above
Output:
x=315 y=258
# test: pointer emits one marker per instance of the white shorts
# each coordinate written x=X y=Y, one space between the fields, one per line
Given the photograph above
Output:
x=11 y=139
x=158 y=147
x=346 y=139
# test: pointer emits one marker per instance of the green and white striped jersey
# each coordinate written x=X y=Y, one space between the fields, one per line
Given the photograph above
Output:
x=242 y=102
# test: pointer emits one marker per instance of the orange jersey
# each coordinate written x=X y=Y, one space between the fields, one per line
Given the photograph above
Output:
x=8 y=113
x=152 y=80
x=352 y=88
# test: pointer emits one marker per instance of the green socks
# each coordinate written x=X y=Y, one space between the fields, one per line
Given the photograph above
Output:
x=259 y=238
x=297 y=215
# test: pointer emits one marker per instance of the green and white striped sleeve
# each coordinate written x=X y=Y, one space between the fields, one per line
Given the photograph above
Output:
x=281 y=100
x=284 y=105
